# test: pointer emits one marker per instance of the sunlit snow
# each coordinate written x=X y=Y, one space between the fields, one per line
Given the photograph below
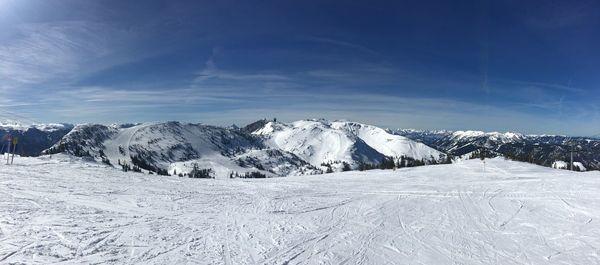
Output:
x=66 y=210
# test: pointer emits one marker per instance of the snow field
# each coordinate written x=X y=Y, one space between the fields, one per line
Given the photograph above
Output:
x=68 y=211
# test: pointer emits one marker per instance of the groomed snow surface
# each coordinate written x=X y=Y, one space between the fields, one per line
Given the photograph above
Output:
x=60 y=210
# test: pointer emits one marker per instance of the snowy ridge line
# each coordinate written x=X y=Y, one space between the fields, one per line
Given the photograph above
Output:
x=263 y=148
x=47 y=127
x=320 y=141
x=474 y=133
x=177 y=148
x=539 y=149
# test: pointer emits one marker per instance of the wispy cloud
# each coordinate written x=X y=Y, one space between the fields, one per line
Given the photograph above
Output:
x=344 y=44
x=39 y=66
x=392 y=112
x=130 y=97
x=234 y=105
x=212 y=72
x=545 y=86
x=559 y=14
x=49 y=50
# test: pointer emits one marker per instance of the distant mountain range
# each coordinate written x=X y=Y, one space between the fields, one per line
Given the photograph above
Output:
x=33 y=139
x=538 y=149
x=270 y=148
x=176 y=148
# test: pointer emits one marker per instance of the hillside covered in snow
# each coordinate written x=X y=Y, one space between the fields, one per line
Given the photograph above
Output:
x=322 y=141
x=32 y=138
x=269 y=148
x=62 y=209
x=539 y=149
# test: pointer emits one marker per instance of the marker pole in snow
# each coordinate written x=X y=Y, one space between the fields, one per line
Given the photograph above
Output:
x=482 y=157
x=571 y=158
x=15 y=141
x=8 y=150
x=572 y=152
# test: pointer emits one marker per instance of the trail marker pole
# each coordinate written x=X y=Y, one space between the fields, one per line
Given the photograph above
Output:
x=482 y=153
x=572 y=158
x=15 y=141
x=8 y=150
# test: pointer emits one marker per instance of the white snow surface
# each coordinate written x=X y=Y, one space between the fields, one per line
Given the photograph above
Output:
x=560 y=164
x=565 y=165
x=579 y=165
x=68 y=211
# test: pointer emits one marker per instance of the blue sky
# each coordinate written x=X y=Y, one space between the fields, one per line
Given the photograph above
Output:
x=528 y=66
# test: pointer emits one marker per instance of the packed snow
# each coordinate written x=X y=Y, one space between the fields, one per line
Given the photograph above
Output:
x=564 y=165
x=579 y=166
x=65 y=210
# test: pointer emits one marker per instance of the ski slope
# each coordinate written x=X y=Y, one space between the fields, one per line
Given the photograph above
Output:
x=68 y=211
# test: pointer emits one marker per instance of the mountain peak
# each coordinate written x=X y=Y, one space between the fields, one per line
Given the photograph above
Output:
x=322 y=141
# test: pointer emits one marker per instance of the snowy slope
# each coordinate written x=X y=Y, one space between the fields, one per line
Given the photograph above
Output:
x=317 y=142
x=84 y=139
x=539 y=149
x=60 y=210
x=271 y=162
x=275 y=149
x=389 y=144
x=176 y=147
x=321 y=141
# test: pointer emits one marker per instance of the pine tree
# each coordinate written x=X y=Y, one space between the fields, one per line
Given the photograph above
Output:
x=346 y=166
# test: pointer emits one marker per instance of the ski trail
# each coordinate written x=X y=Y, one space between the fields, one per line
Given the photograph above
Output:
x=68 y=211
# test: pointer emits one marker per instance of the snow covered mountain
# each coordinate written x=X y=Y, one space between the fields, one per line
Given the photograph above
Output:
x=269 y=148
x=282 y=149
x=323 y=142
x=33 y=138
x=538 y=149
x=178 y=148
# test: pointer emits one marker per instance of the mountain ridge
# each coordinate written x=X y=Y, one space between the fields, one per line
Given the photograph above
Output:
x=177 y=148
x=538 y=149
x=309 y=146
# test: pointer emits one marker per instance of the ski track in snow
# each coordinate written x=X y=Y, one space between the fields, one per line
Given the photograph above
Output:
x=60 y=210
